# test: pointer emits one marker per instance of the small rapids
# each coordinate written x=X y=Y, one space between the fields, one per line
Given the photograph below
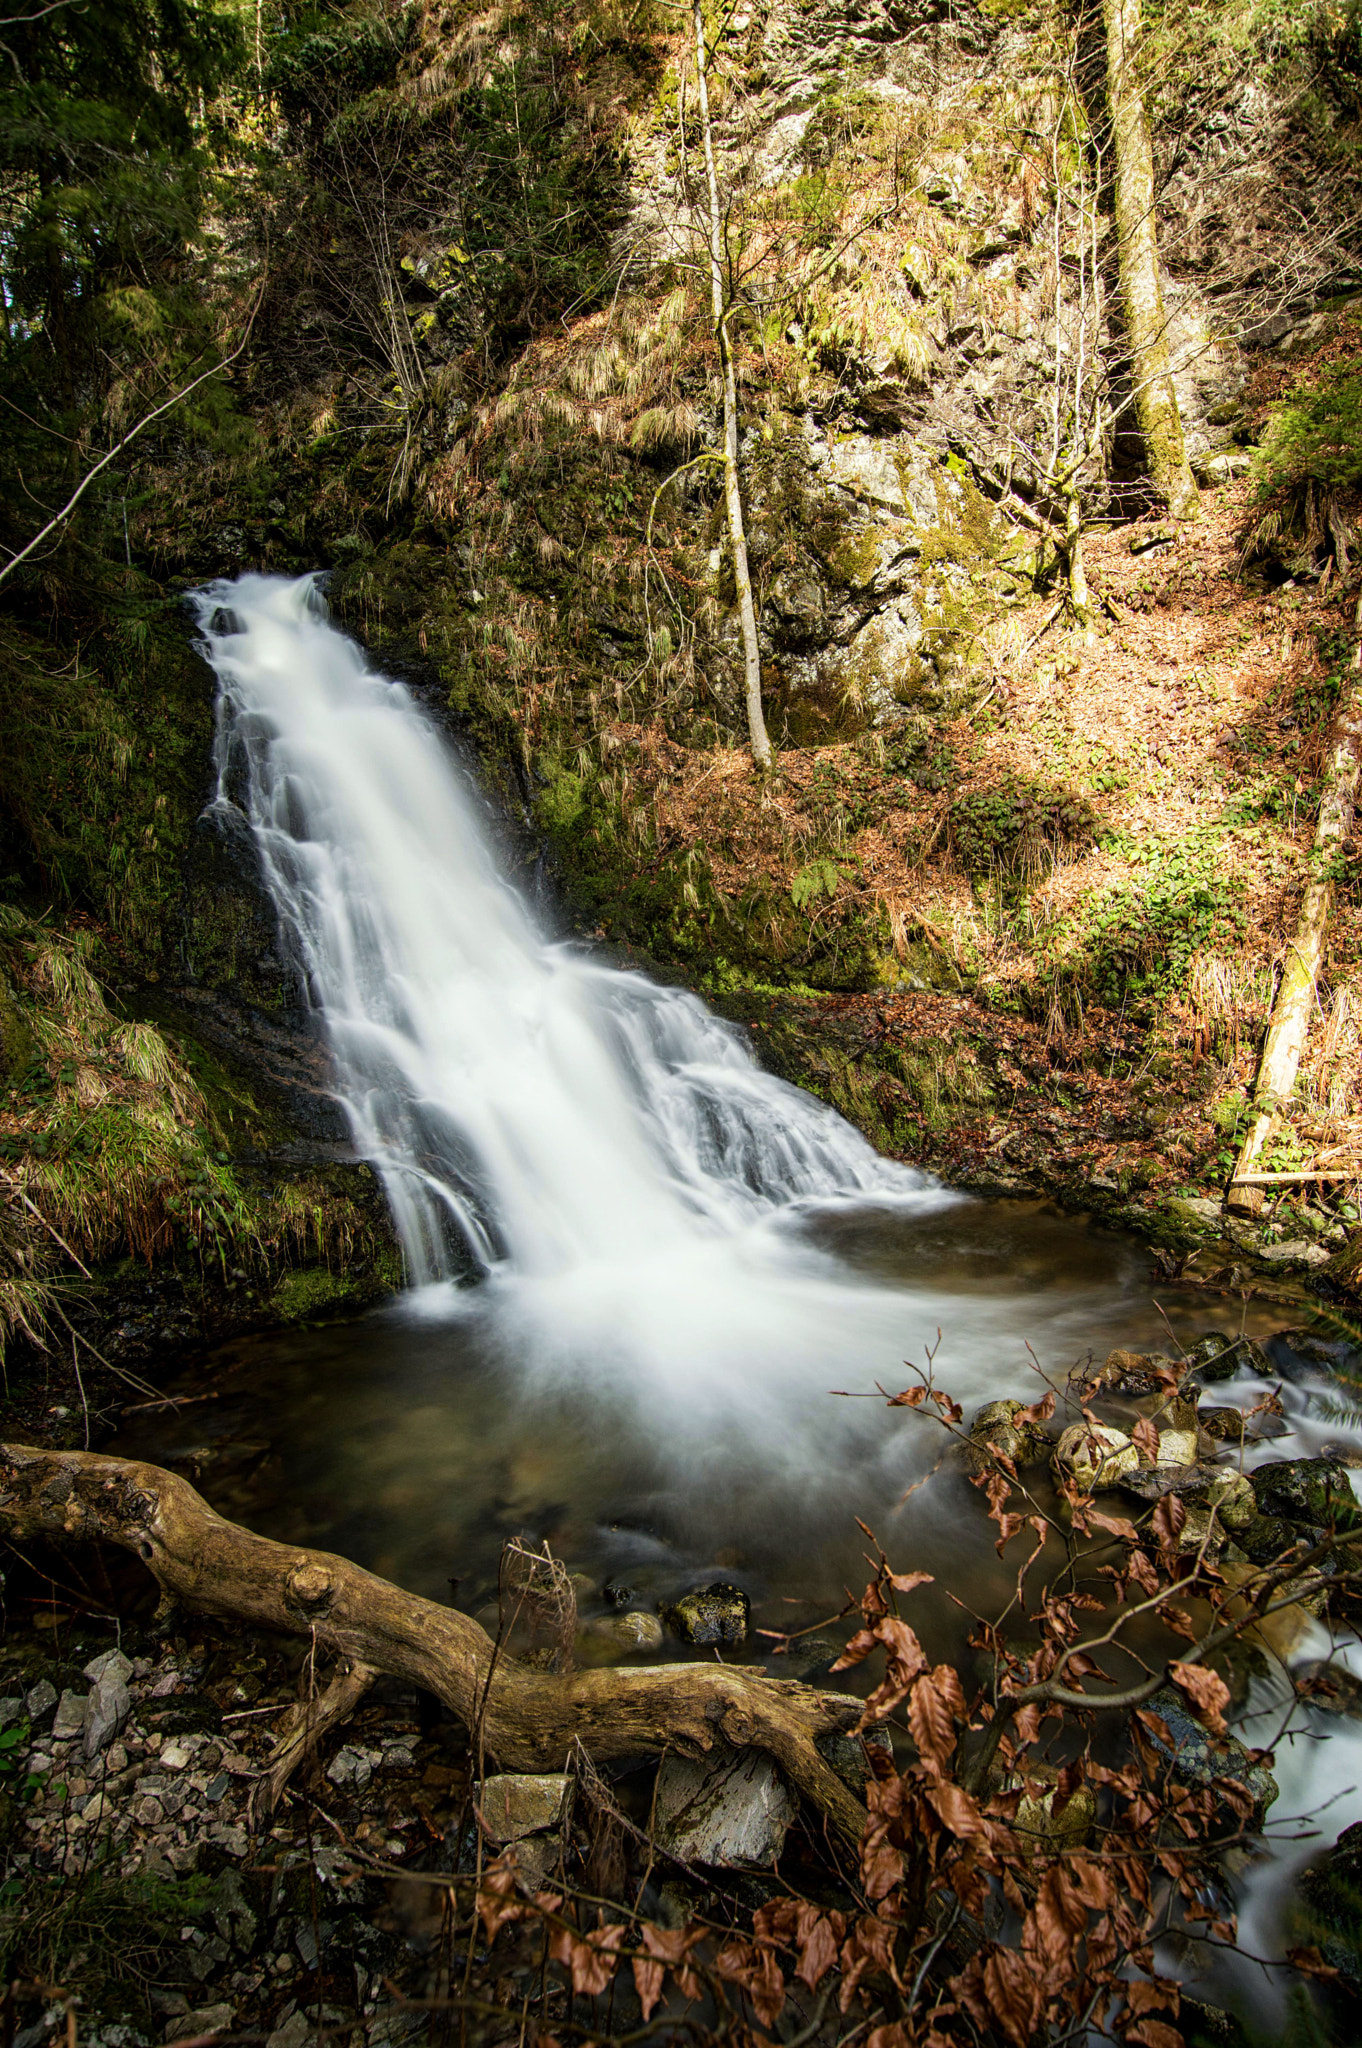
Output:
x=639 y=1265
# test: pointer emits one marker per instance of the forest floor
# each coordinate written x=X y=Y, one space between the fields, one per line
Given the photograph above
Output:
x=1086 y=886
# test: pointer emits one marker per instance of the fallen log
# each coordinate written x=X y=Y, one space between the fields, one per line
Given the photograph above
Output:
x=524 y=1719
x=1289 y=1023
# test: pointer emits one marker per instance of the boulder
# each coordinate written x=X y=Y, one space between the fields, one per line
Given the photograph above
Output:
x=995 y=1428
x=711 y=1614
x=1198 y=1758
x=1313 y=1491
x=732 y=1808
x=1094 y=1456
x=514 y=1804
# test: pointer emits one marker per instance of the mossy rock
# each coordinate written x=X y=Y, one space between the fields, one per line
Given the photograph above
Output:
x=710 y=1615
x=311 y=1292
x=1328 y=1911
x=1309 y=1491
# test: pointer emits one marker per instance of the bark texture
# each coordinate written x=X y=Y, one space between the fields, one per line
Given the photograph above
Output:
x=737 y=530
x=527 y=1720
x=1289 y=1025
x=1156 y=404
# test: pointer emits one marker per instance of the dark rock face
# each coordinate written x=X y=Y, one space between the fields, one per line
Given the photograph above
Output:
x=232 y=938
x=712 y=1614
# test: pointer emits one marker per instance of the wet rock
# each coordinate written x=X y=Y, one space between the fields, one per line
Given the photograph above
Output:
x=619 y=1594
x=1138 y=1372
x=1296 y=1354
x=1094 y=1456
x=514 y=1804
x=849 y=1755
x=712 y=1614
x=1328 y=1911
x=1209 y=2026
x=1222 y=1425
x=1219 y=1356
x=12 y=1710
x=1198 y=1758
x=295 y=2032
x=635 y=1630
x=995 y=1428
x=733 y=1809
x=809 y=1658
x=1308 y=1490
x=1266 y=1538
x=1231 y=1495
x=1329 y=1687
x=1177 y=1447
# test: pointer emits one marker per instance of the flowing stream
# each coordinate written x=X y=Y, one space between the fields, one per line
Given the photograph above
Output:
x=639 y=1265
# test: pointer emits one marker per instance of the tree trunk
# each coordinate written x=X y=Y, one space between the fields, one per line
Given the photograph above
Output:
x=526 y=1719
x=737 y=531
x=1289 y=1024
x=1156 y=404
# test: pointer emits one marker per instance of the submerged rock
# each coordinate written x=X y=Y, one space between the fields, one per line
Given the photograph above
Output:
x=1330 y=1687
x=732 y=1808
x=1095 y=1456
x=1138 y=1373
x=712 y=1614
x=635 y=1630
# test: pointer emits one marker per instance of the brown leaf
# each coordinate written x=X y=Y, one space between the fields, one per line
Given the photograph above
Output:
x=931 y=1716
x=1154 y=2034
x=498 y=1900
x=908 y=1582
x=860 y=1646
x=1168 y=1521
x=1013 y=1996
x=911 y=1397
x=1115 y=1525
x=958 y=1811
x=887 y=2037
x=648 y=1977
x=1205 y=1690
x=1145 y=1438
x=592 y=1962
x=1039 y=1411
x=817 y=1951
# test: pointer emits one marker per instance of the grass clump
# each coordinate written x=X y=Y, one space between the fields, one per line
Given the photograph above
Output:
x=1020 y=828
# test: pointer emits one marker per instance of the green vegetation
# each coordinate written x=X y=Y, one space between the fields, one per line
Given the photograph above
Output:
x=1019 y=827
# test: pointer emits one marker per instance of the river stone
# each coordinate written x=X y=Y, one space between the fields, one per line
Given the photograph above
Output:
x=1330 y=1687
x=732 y=1808
x=109 y=1663
x=1177 y=1447
x=712 y=1614
x=1198 y=1758
x=1095 y=1456
x=1266 y=1538
x=1137 y=1372
x=995 y=1428
x=1218 y=1356
x=635 y=1630
x=1328 y=1912
x=1222 y=1425
x=1310 y=1490
x=518 y=1803
x=1231 y=1495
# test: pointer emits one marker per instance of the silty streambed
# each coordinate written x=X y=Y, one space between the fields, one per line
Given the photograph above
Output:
x=640 y=1265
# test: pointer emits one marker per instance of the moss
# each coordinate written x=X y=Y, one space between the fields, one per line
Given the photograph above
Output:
x=311 y=1292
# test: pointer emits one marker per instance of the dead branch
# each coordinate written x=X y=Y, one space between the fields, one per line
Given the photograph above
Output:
x=530 y=1720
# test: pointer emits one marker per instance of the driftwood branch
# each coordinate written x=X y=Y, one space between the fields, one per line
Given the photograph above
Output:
x=529 y=1720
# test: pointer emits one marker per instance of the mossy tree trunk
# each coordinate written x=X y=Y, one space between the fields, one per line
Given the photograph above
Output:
x=737 y=530
x=1156 y=404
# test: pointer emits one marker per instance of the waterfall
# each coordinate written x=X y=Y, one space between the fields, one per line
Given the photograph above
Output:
x=522 y=1104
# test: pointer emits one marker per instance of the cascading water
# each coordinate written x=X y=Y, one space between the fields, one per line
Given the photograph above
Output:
x=545 y=1111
